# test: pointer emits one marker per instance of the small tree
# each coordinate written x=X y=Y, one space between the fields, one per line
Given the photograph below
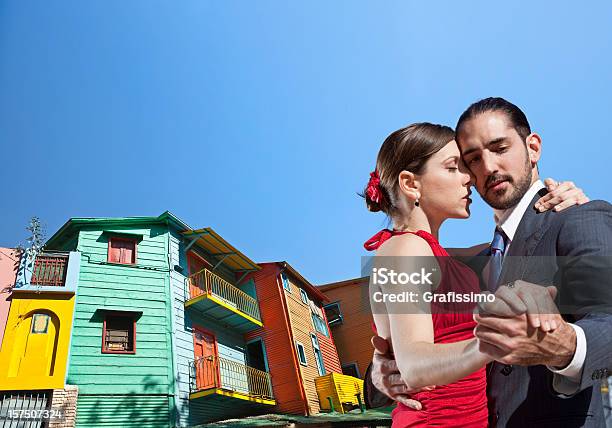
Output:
x=33 y=246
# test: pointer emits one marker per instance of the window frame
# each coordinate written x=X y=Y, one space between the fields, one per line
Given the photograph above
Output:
x=339 y=320
x=297 y=349
x=354 y=365
x=285 y=281
x=124 y=239
x=33 y=329
x=304 y=296
x=315 y=317
x=319 y=361
x=119 y=314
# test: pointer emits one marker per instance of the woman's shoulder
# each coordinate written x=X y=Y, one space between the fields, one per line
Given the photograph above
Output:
x=407 y=244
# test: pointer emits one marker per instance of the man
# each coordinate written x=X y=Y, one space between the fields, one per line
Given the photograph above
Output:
x=538 y=379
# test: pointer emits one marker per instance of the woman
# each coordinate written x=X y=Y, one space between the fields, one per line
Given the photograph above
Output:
x=419 y=182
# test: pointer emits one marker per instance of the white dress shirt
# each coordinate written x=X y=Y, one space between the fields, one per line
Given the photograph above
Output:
x=567 y=380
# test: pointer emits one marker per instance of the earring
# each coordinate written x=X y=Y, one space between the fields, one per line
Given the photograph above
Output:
x=416 y=203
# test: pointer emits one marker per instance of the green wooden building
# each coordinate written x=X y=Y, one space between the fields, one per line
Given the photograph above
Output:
x=160 y=321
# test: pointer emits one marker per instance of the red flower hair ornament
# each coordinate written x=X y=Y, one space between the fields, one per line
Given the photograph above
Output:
x=373 y=191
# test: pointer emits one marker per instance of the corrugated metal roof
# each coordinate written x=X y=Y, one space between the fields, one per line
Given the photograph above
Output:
x=214 y=244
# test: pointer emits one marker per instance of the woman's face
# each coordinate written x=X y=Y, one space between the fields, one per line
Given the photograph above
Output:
x=445 y=185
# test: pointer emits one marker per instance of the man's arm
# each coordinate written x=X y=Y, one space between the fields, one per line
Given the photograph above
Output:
x=585 y=247
x=584 y=250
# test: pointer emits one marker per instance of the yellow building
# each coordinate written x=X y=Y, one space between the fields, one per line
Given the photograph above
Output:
x=36 y=339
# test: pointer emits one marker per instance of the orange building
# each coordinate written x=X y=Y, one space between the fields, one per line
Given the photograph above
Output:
x=298 y=344
x=350 y=319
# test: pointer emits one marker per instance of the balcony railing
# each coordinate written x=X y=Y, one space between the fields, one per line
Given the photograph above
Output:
x=50 y=270
x=207 y=282
x=218 y=372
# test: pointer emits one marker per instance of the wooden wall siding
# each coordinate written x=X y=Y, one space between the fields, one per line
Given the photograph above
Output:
x=137 y=411
x=352 y=338
x=330 y=355
x=280 y=350
x=143 y=288
x=302 y=327
x=183 y=338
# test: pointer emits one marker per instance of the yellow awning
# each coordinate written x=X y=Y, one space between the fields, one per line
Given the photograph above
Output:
x=222 y=250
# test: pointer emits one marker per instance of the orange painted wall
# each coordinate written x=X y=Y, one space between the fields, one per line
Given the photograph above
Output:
x=8 y=273
x=331 y=359
x=352 y=337
x=282 y=365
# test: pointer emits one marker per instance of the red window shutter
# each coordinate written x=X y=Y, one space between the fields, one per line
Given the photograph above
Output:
x=122 y=251
x=114 y=251
x=127 y=252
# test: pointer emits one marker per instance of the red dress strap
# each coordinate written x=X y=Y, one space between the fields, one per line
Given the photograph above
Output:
x=377 y=240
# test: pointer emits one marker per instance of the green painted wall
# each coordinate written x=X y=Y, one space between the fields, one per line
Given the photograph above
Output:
x=123 y=411
x=123 y=390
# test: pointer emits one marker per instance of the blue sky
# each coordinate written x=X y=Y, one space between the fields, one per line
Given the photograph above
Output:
x=263 y=119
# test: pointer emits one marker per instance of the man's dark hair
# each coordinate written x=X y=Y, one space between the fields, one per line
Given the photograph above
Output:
x=515 y=115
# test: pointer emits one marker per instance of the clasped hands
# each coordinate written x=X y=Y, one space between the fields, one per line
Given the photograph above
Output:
x=522 y=326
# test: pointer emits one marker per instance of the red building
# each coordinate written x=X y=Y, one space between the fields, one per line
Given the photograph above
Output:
x=297 y=340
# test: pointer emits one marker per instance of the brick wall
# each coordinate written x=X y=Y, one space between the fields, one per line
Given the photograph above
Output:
x=65 y=401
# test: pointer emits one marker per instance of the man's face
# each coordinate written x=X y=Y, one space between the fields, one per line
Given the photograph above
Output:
x=497 y=157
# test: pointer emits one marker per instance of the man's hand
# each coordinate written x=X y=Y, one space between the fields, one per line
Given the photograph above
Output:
x=514 y=341
x=387 y=378
x=523 y=327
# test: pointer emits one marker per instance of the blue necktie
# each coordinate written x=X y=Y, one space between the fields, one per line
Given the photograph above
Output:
x=498 y=246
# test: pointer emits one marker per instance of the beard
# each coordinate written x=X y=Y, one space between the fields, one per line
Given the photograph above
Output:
x=504 y=199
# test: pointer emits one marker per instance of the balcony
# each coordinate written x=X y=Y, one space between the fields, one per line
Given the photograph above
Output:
x=222 y=388
x=49 y=272
x=217 y=298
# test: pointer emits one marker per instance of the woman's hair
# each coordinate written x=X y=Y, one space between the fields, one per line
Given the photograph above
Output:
x=407 y=149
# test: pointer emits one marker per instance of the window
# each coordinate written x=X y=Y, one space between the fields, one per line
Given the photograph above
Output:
x=319 y=324
x=40 y=323
x=304 y=296
x=122 y=250
x=256 y=355
x=119 y=334
x=301 y=354
x=333 y=314
x=286 y=284
x=318 y=355
x=351 y=369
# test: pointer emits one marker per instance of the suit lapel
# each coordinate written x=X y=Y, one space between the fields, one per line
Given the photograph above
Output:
x=532 y=227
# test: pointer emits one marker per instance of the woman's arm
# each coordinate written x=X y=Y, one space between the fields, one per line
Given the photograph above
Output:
x=409 y=327
x=424 y=363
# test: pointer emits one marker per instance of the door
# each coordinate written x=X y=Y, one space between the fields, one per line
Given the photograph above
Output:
x=206 y=363
x=35 y=347
x=197 y=284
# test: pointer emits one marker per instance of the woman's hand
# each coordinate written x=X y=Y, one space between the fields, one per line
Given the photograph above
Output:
x=534 y=301
x=560 y=196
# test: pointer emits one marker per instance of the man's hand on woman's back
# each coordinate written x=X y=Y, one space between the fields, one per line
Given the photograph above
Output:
x=387 y=378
